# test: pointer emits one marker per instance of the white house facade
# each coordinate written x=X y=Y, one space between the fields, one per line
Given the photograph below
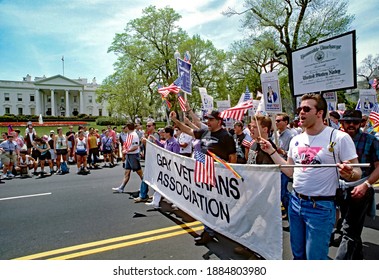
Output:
x=55 y=96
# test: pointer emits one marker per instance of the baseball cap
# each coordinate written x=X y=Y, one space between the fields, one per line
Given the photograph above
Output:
x=213 y=115
x=52 y=131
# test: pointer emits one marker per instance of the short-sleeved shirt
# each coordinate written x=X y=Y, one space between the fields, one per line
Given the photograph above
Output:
x=185 y=138
x=368 y=151
x=135 y=143
x=315 y=149
x=220 y=142
x=258 y=156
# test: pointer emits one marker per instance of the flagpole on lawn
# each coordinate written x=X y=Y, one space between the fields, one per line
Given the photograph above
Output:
x=63 y=64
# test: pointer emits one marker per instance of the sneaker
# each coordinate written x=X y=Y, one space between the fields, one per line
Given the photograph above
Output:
x=140 y=199
x=10 y=175
x=152 y=204
x=59 y=172
x=119 y=190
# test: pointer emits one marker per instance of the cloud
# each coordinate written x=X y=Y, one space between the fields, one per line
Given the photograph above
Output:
x=35 y=34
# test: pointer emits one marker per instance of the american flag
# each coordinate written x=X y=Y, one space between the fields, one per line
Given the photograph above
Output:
x=174 y=88
x=128 y=142
x=10 y=129
x=204 y=168
x=374 y=118
x=182 y=103
x=237 y=111
x=247 y=142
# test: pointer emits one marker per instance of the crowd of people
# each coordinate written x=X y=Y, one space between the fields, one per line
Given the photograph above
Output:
x=310 y=205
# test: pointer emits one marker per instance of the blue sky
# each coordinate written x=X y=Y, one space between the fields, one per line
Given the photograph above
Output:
x=35 y=34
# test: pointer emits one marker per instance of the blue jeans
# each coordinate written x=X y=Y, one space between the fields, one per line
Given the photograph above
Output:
x=143 y=190
x=284 y=193
x=311 y=225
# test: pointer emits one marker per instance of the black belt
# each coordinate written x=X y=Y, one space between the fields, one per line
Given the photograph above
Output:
x=315 y=198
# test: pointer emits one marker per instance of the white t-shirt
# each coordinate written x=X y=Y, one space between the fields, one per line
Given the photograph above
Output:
x=135 y=143
x=185 y=138
x=309 y=149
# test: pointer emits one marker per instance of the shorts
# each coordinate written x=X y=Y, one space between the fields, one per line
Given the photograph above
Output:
x=61 y=151
x=81 y=153
x=107 y=152
x=7 y=158
x=132 y=162
x=45 y=156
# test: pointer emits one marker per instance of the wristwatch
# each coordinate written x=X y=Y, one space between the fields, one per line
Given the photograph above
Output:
x=368 y=184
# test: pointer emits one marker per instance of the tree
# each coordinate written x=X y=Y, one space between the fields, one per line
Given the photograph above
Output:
x=284 y=26
x=369 y=70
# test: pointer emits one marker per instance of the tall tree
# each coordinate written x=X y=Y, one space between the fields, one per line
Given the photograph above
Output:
x=369 y=70
x=292 y=24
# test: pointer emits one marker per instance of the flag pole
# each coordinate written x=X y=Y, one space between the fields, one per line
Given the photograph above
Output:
x=63 y=64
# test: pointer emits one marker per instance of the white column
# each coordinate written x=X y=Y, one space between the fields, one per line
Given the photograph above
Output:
x=81 y=103
x=67 y=104
x=52 y=102
x=38 y=102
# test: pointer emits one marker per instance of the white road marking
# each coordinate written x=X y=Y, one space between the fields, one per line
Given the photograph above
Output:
x=25 y=196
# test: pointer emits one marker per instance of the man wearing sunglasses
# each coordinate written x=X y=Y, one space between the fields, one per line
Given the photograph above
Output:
x=359 y=199
x=312 y=208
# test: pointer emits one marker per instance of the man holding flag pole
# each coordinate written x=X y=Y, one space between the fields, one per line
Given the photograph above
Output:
x=312 y=203
x=217 y=140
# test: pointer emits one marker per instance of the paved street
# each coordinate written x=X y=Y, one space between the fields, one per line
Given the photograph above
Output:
x=79 y=217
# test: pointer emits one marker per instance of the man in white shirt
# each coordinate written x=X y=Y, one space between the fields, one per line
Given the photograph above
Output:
x=185 y=142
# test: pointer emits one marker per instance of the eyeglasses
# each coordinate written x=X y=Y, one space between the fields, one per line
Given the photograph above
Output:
x=306 y=109
x=353 y=122
x=278 y=121
x=149 y=125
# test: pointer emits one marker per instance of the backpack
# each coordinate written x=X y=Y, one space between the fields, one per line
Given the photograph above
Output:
x=64 y=168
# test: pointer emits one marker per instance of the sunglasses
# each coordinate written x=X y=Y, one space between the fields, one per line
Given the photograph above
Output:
x=306 y=109
x=149 y=125
x=353 y=122
x=278 y=121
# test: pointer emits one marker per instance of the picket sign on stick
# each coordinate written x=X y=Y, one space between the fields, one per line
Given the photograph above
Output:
x=259 y=131
x=273 y=121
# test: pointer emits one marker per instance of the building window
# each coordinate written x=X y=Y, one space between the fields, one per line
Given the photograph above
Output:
x=49 y=99
x=75 y=99
x=32 y=111
x=20 y=111
x=7 y=110
x=6 y=97
x=100 y=112
x=19 y=97
x=89 y=99
x=62 y=99
x=31 y=98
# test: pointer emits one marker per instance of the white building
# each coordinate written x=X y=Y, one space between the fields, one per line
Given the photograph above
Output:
x=55 y=96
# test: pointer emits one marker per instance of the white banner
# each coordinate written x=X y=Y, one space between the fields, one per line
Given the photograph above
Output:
x=246 y=211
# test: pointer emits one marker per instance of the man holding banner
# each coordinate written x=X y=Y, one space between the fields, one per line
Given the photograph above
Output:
x=312 y=204
x=215 y=139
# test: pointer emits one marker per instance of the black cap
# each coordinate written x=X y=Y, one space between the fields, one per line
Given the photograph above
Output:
x=213 y=115
x=352 y=115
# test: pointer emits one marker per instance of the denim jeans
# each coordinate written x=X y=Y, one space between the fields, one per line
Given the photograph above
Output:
x=284 y=193
x=353 y=213
x=311 y=225
x=143 y=190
